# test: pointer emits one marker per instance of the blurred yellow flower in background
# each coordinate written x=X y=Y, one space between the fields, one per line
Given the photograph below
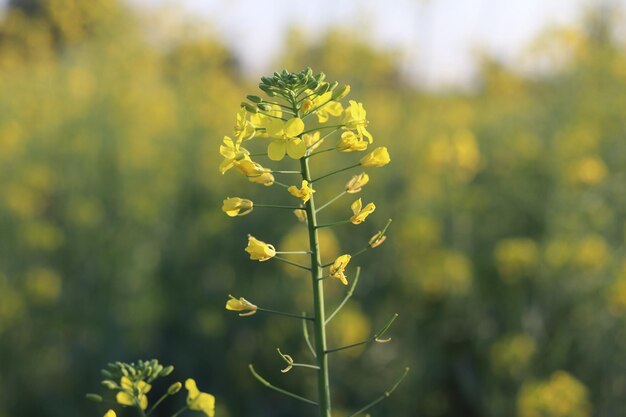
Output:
x=560 y=396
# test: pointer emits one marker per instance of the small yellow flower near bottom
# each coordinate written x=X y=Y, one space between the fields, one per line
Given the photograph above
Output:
x=259 y=250
x=338 y=268
x=110 y=413
x=199 y=401
x=360 y=212
x=241 y=304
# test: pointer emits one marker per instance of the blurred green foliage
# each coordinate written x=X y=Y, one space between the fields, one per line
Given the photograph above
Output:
x=505 y=260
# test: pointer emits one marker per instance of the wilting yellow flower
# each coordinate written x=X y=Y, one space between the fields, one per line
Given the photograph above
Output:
x=235 y=206
x=355 y=119
x=110 y=413
x=360 y=212
x=356 y=183
x=199 y=401
x=377 y=240
x=243 y=127
x=232 y=153
x=300 y=215
x=303 y=192
x=285 y=135
x=258 y=250
x=255 y=172
x=312 y=140
x=350 y=142
x=133 y=393
x=241 y=304
x=338 y=268
x=377 y=158
x=326 y=107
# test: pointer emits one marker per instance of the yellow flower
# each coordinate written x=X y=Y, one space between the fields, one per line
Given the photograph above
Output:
x=234 y=206
x=241 y=304
x=356 y=183
x=304 y=192
x=355 y=119
x=244 y=129
x=133 y=393
x=286 y=139
x=255 y=172
x=258 y=250
x=361 y=213
x=232 y=153
x=199 y=401
x=330 y=108
x=312 y=141
x=110 y=413
x=350 y=142
x=338 y=268
x=377 y=158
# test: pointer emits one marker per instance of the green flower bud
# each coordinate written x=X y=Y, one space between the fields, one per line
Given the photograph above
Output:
x=94 y=397
x=174 y=388
x=254 y=99
x=341 y=92
x=168 y=370
x=249 y=107
x=110 y=384
x=265 y=107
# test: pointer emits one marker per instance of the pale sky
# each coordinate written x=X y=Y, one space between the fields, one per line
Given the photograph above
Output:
x=436 y=39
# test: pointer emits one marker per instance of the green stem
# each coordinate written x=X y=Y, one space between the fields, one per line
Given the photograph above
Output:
x=282 y=391
x=156 y=404
x=348 y=295
x=386 y=394
x=319 y=152
x=305 y=332
x=332 y=224
x=278 y=206
x=179 y=412
x=331 y=201
x=336 y=172
x=287 y=261
x=320 y=128
x=374 y=338
x=282 y=313
x=323 y=384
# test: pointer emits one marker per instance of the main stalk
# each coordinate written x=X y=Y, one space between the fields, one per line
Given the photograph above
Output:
x=323 y=385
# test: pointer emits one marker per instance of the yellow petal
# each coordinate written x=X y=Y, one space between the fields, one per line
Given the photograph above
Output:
x=124 y=398
x=275 y=127
x=356 y=206
x=110 y=413
x=293 y=127
x=296 y=148
x=143 y=402
x=276 y=150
